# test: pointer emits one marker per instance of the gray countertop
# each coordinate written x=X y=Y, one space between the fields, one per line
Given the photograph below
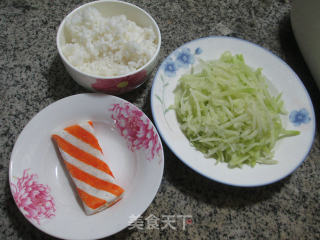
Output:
x=32 y=76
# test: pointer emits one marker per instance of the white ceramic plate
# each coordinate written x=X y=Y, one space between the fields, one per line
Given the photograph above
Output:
x=40 y=185
x=290 y=152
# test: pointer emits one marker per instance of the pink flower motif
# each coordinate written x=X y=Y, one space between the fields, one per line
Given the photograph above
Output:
x=32 y=198
x=120 y=85
x=136 y=128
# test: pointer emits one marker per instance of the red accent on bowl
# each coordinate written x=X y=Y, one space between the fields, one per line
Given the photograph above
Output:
x=120 y=85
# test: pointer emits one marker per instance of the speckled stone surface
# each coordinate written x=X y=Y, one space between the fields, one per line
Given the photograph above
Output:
x=32 y=76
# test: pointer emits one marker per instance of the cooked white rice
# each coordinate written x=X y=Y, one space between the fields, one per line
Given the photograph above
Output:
x=106 y=46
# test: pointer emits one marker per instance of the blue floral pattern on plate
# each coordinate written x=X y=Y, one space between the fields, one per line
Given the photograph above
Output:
x=198 y=51
x=170 y=68
x=183 y=59
x=298 y=117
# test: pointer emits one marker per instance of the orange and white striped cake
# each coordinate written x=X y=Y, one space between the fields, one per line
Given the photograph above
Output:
x=83 y=158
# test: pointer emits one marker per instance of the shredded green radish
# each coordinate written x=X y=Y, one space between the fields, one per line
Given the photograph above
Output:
x=226 y=112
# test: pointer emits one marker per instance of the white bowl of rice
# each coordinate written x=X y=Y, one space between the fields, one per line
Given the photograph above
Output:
x=109 y=46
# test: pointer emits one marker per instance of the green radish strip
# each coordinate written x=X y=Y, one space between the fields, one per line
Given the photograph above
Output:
x=226 y=112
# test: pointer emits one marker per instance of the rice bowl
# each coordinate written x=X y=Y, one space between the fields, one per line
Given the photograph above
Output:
x=109 y=46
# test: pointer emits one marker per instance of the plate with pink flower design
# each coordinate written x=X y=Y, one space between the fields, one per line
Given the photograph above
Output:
x=289 y=152
x=40 y=184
